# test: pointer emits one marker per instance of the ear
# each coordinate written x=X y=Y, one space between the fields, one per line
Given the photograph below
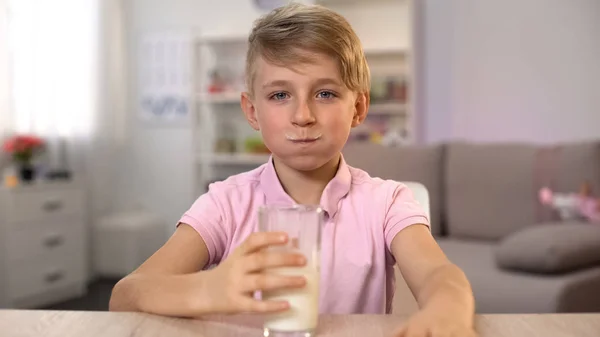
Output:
x=249 y=110
x=361 y=108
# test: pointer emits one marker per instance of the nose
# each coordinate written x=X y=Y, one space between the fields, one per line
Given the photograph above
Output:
x=303 y=116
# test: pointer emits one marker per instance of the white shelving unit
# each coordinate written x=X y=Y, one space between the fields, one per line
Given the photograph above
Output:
x=386 y=29
x=218 y=114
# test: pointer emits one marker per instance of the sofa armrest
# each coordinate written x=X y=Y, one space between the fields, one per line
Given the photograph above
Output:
x=581 y=294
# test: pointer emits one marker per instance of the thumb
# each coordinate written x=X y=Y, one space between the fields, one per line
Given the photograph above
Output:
x=400 y=332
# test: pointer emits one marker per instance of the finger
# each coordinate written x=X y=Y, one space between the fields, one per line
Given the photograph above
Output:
x=455 y=332
x=443 y=332
x=400 y=332
x=469 y=333
x=260 y=240
x=257 y=306
x=268 y=259
x=267 y=282
x=416 y=332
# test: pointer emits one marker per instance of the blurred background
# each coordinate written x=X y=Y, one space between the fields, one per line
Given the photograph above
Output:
x=115 y=116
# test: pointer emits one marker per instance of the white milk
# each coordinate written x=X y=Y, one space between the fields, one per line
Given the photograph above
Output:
x=303 y=313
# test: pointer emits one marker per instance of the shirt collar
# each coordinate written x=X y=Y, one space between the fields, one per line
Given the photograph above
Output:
x=336 y=189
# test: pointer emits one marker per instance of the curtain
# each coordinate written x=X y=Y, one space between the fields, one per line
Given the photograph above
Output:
x=53 y=53
x=63 y=77
x=5 y=116
x=108 y=139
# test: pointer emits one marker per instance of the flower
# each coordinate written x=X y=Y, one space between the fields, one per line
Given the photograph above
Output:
x=23 y=147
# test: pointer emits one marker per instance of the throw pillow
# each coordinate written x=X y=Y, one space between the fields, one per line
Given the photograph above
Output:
x=550 y=248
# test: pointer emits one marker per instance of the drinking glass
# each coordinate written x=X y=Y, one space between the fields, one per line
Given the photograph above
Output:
x=302 y=223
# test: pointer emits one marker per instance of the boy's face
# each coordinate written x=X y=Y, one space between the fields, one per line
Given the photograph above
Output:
x=304 y=114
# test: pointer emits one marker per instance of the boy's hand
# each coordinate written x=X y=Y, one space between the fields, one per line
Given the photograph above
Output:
x=230 y=287
x=431 y=324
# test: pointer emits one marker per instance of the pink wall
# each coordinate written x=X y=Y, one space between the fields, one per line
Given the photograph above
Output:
x=513 y=70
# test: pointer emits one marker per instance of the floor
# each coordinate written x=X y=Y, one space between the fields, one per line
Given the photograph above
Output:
x=95 y=300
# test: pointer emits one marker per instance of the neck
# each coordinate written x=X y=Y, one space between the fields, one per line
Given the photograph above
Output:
x=306 y=187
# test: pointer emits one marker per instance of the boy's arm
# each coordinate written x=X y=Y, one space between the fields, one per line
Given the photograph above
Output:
x=162 y=284
x=439 y=286
x=169 y=283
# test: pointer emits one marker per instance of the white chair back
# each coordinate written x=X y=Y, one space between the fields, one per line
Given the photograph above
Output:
x=421 y=195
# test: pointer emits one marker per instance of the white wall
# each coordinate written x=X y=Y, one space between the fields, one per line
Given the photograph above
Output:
x=434 y=49
x=514 y=70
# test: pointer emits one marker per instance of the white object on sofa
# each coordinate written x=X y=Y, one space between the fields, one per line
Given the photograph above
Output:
x=43 y=244
x=123 y=241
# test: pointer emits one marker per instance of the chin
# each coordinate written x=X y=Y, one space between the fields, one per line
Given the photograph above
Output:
x=305 y=162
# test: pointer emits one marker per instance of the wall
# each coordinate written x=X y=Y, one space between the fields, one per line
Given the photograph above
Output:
x=434 y=47
x=513 y=70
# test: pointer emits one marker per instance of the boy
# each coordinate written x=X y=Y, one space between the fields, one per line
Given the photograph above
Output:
x=308 y=85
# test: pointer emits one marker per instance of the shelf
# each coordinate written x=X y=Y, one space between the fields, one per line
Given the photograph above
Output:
x=241 y=159
x=385 y=52
x=393 y=108
x=222 y=98
x=352 y=2
x=223 y=39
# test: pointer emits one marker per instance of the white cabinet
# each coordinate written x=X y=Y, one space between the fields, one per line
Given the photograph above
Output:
x=43 y=244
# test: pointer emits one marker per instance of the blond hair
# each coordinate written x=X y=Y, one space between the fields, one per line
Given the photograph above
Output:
x=289 y=35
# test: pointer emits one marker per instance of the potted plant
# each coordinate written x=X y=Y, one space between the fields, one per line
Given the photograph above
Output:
x=22 y=149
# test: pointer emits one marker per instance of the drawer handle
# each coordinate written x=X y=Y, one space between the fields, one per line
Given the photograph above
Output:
x=52 y=205
x=54 y=276
x=53 y=240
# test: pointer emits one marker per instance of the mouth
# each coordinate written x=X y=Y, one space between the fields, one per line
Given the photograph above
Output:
x=303 y=140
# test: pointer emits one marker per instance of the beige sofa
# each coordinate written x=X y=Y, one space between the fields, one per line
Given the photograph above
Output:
x=518 y=255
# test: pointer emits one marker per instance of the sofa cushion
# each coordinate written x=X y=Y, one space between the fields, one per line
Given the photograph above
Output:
x=501 y=291
x=421 y=164
x=490 y=190
x=551 y=248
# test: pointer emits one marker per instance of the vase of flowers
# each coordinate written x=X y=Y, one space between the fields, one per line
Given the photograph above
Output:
x=23 y=149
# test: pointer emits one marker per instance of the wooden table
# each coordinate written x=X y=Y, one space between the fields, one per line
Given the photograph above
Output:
x=94 y=324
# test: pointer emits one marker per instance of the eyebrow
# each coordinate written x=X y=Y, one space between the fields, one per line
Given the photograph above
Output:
x=320 y=81
x=276 y=83
x=327 y=80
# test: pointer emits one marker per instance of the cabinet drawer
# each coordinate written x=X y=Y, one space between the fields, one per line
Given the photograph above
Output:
x=38 y=276
x=53 y=238
x=45 y=205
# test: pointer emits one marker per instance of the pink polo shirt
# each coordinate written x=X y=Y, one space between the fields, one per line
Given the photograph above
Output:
x=362 y=216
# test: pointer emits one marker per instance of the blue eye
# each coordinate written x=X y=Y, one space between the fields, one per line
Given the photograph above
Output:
x=326 y=95
x=279 y=96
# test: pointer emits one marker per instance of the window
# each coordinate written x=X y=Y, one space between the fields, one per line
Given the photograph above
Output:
x=53 y=66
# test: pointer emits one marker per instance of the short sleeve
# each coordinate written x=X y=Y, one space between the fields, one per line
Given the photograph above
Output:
x=403 y=211
x=206 y=216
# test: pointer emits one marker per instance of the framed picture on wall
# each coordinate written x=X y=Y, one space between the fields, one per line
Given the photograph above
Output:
x=165 y=77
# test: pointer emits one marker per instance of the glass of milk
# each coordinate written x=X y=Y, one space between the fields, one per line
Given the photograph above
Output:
x=303 y=225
